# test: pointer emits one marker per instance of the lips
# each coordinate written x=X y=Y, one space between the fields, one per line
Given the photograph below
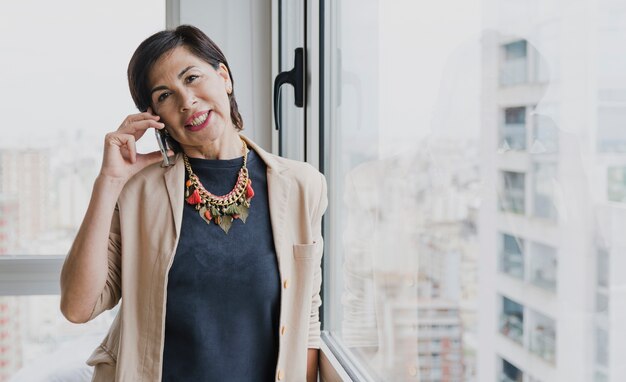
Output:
x=199 y=120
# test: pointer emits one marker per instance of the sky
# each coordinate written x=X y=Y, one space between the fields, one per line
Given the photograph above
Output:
x=54 y=80
x=52 y=65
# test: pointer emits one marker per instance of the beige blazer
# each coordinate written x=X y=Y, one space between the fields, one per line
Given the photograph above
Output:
x=143 y=239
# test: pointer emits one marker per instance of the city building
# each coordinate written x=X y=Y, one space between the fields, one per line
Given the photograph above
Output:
x=551 y=142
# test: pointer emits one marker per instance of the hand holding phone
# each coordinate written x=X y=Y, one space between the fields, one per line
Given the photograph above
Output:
x=164 y=147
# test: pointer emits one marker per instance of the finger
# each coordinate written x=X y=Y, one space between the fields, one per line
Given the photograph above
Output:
x=141 y=116
x=138 y=128
x=126 y=143
x=153 y=157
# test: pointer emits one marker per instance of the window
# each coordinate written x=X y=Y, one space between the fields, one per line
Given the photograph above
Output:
x=515 y=64
x=602 y=267
x=544 y=185
x=513 y=192
x=512 y=261
x=514 y=128
x=510 y=373
x=545 y=138
x=543 y=336
x=616 y=184
x=543 y=266
x=72 y=54
x=602 y=346
x=611 y=133
x=512 y=320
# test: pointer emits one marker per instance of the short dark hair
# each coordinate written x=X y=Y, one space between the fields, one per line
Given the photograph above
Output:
x=155 y=46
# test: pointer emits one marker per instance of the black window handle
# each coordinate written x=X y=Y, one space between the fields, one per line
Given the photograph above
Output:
x=295 y=77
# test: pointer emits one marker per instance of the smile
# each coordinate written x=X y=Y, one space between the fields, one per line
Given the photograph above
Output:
x=198 y=121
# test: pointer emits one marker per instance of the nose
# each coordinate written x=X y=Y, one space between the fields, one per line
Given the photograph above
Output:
x=187 y=101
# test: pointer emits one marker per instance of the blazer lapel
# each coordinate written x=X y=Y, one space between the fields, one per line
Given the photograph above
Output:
x=278 y=185
x=174 y=178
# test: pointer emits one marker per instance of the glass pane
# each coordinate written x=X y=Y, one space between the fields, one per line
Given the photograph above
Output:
x=545 y=178
x=38 y=344
x=423 y=191
x=512 y=261
x=510 y=373
x=513 y=192
x=515 y=63
x=616 y=187
x=75 y=56
x=512 y=320
x=543 y=336
x=514 y=128
x=543 y=266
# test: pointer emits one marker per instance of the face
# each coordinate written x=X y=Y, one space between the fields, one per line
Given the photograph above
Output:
x=192 y=98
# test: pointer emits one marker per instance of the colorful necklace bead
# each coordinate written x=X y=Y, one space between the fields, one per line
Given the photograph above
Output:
x=221 y=209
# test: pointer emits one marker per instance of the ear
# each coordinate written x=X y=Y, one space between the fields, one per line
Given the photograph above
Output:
x=222 y=71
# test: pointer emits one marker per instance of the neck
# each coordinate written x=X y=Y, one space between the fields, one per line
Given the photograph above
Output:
x=228 y=146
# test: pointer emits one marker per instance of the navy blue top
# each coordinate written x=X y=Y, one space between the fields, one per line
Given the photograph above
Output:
x=223 y=291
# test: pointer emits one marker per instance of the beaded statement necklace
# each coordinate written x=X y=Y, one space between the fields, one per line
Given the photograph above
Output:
x=221 y=210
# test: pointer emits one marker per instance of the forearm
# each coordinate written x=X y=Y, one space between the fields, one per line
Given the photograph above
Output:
x=312 y=365
x=85 y=269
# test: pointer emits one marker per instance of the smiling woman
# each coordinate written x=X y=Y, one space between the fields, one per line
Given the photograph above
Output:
x=206 y=288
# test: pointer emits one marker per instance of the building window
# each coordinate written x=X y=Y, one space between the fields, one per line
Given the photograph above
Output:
x=544 y=184
x=543 y=336
x=602 y=347
x=513 y=132
x=602 y=269
x=510 y=373
x=545 y=138
x=611 y=135
x=514 y=68
x=512 y=258
x=513 y=189
x=616 y=184
x=543 y=266
x=512 y=320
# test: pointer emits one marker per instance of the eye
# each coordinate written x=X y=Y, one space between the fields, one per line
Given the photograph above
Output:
x=191 y=78
x=163 y=96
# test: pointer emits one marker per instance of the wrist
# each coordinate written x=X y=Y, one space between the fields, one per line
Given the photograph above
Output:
x=110 y=183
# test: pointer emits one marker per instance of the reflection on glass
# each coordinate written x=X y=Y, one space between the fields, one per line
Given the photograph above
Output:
x=430 y=216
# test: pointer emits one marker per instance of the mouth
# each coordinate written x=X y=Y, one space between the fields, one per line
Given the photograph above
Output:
x=199 y=120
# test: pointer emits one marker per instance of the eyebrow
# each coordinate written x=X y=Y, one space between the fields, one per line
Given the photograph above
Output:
x=163 y=87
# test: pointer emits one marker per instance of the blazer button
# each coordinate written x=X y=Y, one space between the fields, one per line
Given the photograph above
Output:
x=280 y=375
x=286 y=283
x=283 y=330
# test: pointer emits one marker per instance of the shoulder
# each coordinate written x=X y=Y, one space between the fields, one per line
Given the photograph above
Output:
x=302 y=174
x=149 y=180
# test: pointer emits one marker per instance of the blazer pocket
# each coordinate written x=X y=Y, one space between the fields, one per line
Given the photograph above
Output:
x=307 y=251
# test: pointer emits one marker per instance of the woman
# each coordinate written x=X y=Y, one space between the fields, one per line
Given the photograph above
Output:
x=217 y=258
